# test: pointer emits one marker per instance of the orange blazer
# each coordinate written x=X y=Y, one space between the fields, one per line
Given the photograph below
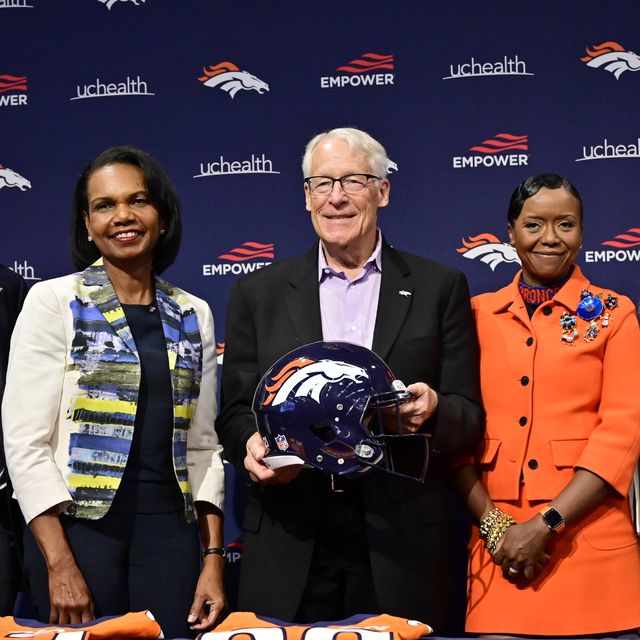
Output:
x=551 y=406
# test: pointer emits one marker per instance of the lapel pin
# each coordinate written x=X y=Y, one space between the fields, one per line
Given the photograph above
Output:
x=405 y=293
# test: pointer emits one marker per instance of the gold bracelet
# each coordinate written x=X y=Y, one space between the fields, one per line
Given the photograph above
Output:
x=493 y=527
x=497 y=532
x=488 y=522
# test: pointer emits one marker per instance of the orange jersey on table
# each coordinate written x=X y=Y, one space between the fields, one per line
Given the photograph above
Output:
x=249 y=626
x=552 y=407
x=140 y=624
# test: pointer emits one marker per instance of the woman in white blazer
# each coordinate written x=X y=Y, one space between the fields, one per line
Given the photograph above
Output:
x=109 y=416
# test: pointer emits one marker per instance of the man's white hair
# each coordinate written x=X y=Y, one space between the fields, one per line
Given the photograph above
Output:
x=359 y=141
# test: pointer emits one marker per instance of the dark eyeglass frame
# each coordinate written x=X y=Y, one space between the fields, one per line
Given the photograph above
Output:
x=368 y=177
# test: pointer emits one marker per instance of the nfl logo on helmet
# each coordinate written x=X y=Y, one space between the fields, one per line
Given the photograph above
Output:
x=282 y=443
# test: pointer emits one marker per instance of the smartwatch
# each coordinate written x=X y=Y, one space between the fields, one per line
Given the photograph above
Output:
x=552 y=518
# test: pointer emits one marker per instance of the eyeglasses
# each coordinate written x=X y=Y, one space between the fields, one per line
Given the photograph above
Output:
x=351 y=184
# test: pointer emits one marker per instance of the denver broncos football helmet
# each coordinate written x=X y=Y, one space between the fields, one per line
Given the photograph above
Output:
x=321 y=405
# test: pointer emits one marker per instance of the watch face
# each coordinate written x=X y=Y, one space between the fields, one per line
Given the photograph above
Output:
x=553 y=519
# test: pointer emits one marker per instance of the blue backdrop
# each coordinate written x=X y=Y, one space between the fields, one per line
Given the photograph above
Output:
x=468 y=97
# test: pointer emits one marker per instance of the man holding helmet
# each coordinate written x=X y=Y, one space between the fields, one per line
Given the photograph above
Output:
x=317 y=546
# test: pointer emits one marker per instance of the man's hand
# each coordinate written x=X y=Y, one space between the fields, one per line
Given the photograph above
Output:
x=258 y=470
x=414 y=413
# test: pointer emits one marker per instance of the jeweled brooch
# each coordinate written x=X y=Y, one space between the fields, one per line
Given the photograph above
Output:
x=592 y=310
x=568 y=324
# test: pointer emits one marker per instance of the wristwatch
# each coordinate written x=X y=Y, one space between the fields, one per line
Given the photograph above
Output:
x=552 y=518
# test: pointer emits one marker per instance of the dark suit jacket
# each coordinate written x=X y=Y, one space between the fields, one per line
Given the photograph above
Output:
x=428 y=336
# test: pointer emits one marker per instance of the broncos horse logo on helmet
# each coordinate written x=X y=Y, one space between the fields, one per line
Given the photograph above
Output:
x=305 y=377
x=321 y=405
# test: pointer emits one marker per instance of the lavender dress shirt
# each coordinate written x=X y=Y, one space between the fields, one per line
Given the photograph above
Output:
x=348 y=307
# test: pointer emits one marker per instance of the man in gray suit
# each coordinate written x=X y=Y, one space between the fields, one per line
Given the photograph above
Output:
x=380 y=543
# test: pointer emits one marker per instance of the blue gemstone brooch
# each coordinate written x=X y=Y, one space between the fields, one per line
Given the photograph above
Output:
x=592 y=310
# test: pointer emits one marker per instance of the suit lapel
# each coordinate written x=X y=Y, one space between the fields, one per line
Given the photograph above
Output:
x=103 y=295
x=171 y=317
x=396 y=291
x=99 y=289
x=303 y=299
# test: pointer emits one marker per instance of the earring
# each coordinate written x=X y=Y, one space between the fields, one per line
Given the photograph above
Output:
x=161 y=232
x=89 y=238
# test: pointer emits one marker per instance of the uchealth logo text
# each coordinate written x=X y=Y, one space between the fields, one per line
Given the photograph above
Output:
x=100 y=89
x=11 y=178
x=488 y=249
x=607 y=150
x=496 y=152
x=248 y=257
x=110 y=3
x=624 y=247
x=228 y=77
x=222 y=167
x=15 y=4
x=611 y=56
x=26 y=270
x=370 y=69
x=507 y=66
x=13 y=90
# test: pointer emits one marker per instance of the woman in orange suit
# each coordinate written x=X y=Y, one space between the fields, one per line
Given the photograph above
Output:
x=555 y=553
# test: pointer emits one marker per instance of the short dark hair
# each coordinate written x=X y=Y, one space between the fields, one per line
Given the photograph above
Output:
x=161 y=193
x=532 y=185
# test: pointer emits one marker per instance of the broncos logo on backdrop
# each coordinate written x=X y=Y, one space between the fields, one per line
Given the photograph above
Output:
x=613 y=57
x=230 y=78
x=10 y=178
x=110 y=3
x=307 y=378
x=391 y=166
x=488 y=249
